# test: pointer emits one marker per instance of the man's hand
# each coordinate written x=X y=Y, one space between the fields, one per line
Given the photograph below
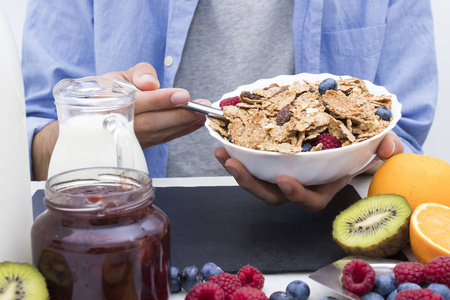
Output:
x=158 y=116
x=312 y=198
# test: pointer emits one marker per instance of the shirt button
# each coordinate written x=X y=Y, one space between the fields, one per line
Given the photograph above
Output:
x=168 y=61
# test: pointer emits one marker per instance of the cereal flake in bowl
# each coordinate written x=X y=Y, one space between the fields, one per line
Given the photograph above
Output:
x=316 y=128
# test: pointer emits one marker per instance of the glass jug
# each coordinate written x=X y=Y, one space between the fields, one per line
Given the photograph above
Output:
x=95 y=116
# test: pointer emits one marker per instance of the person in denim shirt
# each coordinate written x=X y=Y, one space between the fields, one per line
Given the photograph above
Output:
x=390 y=43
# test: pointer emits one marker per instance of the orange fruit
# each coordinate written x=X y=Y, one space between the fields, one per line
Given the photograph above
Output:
x=418 y=178
x=429 y=231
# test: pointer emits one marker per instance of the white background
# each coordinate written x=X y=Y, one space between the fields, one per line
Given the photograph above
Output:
x=438 y=141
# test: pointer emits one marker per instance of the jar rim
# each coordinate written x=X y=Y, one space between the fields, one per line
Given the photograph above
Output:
x=136 y=190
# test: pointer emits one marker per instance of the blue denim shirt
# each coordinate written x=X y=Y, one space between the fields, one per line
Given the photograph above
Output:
x=390 y=43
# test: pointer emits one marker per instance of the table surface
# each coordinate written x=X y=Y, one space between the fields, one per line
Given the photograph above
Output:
x=273 y=282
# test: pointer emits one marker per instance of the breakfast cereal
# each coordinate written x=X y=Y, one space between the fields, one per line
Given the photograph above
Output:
x=285 y=118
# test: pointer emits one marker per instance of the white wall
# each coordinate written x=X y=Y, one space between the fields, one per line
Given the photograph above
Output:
x=15 y=13
x=437 y=143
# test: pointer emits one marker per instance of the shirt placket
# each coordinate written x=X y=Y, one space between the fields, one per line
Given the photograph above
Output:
x=181 y=13
x=307 y=31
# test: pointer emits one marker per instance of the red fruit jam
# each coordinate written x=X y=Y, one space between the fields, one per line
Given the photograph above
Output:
x=101 y=237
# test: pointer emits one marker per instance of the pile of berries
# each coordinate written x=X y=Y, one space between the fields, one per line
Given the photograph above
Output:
x=410 y=280
x=211 y=282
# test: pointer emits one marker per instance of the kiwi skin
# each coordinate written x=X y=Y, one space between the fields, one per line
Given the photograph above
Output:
x=388 y=246
x=22 y=281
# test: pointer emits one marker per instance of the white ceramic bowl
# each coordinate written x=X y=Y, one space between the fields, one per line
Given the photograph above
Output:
x=309 y=168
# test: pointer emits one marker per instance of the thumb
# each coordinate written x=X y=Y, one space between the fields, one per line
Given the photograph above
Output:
x=142 y=75
x=389 y=146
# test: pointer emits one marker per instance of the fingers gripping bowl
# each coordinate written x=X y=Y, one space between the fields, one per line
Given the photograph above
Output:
x=312 y=167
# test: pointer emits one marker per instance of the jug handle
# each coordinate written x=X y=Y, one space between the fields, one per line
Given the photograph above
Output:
x=122 y=139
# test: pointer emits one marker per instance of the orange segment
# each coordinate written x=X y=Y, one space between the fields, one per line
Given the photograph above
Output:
x=430 y=231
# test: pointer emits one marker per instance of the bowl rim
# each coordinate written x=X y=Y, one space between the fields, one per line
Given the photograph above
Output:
x=308 y=76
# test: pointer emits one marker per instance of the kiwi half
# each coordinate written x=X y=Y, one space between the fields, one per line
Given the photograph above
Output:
x=21 y=281
x=376 y=226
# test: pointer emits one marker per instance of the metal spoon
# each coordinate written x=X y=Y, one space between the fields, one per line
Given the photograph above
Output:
x=330 y=276
x=201 y=108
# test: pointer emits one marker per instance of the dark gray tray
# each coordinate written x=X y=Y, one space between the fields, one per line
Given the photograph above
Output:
x=232 y=228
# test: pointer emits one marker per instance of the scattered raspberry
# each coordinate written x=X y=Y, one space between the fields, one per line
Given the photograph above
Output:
x=227 y=282
x=358 y=277
x=251 y=276
x=328 y=141
x=419 y=294
x=206 y=291
x=229 y=101
x=249 y=293
x=438 y=270
x=412 y=272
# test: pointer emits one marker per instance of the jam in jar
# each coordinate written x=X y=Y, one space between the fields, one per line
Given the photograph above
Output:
x=101 y=237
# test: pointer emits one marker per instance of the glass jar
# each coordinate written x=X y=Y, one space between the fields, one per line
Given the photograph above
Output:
x=101 y=237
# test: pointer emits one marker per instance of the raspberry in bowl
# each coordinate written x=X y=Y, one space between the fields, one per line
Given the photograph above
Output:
x=286 y=126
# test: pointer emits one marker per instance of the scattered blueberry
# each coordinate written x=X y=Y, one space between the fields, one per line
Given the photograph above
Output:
x=384 y=113
x=408 y=286
x=440 y=289
x=327 y=84
x=230 y=138
x=298 y=289
x=210 y=269
x=306 y=147
x=384 y=284
x=190 y=276
x=280 y=296
x=372 y=296
x=392 y=295
x=328 y=298
x=175 y=280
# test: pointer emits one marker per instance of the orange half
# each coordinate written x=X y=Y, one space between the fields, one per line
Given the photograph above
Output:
x=430 y=231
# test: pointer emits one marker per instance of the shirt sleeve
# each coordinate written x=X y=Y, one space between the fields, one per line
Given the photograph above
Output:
x=388 y=42
x=57 y=44
x=408 y=68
